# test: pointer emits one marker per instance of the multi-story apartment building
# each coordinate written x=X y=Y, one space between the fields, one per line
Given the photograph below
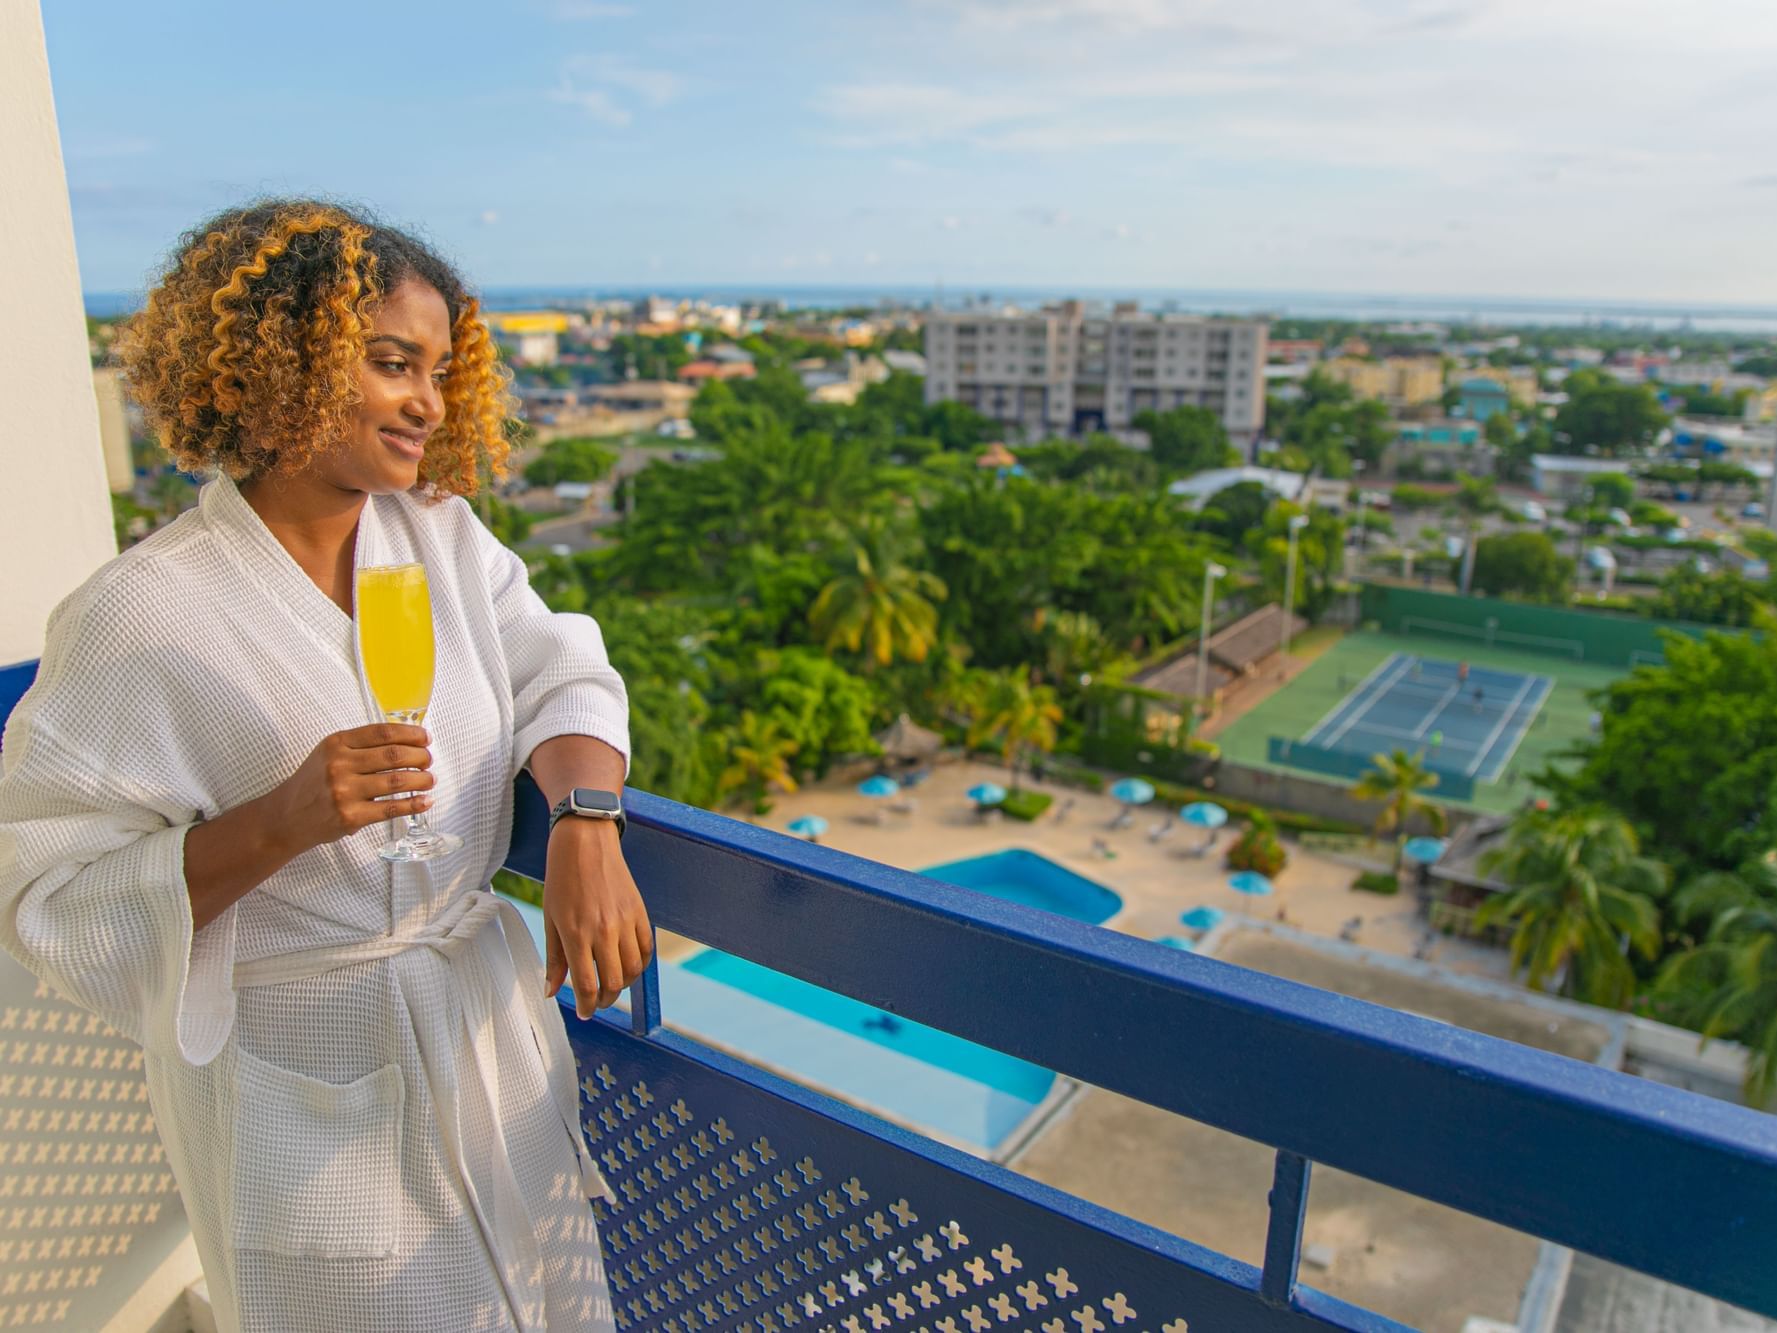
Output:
x=1068 y=370
x=1400 y=381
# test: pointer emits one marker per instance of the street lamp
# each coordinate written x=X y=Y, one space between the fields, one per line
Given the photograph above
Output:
x=1357 y=480
x=1297 y=523
x=1211 y=572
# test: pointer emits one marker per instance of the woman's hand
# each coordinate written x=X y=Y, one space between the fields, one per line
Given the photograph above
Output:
x=333 y=794
x=594 y=922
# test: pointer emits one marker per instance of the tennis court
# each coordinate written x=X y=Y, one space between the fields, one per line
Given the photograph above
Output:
x=1360 y=669
x=1468 y=720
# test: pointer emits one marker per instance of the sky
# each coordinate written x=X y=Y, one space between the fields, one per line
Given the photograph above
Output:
x=1552 y=149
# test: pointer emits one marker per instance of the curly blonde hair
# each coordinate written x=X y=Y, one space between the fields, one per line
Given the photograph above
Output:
x=247 y=355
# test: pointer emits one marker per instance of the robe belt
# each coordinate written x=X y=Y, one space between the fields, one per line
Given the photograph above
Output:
x=515 y=967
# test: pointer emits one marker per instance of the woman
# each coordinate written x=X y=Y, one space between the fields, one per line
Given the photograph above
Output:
x=368 y=1103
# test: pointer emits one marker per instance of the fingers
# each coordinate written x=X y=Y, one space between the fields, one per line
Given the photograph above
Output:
x=610 y=965
x=586 y=977
x=644 y=934
x=378 y=734
x=555 y=971
x=629 y=958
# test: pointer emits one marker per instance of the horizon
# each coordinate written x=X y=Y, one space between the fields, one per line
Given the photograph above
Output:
x=1368 y=307
x=1410 y=147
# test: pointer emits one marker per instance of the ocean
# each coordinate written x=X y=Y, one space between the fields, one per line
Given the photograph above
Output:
x=1699 y=317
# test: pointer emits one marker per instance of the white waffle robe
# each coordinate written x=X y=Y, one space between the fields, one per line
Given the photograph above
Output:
x=368 y=1106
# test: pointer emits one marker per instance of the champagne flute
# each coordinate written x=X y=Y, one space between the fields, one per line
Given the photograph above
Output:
x=396 y=645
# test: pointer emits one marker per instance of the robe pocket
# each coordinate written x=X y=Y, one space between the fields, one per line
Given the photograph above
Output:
x=317 y=1165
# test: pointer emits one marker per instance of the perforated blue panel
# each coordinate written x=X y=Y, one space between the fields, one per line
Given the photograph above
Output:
x=747 y=1204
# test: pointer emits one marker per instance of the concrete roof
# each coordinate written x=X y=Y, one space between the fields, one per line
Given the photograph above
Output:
x=1205 y=484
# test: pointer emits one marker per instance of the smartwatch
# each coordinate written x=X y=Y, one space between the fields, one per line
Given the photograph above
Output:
x=590 y=803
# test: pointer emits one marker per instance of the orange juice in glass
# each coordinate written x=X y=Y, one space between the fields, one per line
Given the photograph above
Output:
x=396 y=645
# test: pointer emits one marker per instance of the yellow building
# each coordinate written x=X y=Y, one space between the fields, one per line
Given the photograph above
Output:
x=1404 y=381
x=518 y=322
x=1761 y=404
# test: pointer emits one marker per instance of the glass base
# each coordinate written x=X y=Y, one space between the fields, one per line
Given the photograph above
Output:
x=421 y=847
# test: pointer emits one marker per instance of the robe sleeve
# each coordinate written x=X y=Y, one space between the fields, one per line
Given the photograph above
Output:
x=563 y=683
x=94 y=808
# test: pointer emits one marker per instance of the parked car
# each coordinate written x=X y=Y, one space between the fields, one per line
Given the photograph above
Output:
x=1752 y=509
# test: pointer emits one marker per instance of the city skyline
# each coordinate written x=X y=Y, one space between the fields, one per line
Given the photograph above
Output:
x=1412 y=148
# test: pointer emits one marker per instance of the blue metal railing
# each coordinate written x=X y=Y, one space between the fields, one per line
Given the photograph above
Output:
x=745 y=1202
x=1641 y=1174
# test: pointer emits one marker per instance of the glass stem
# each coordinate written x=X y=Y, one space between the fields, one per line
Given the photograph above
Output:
x=416 y=825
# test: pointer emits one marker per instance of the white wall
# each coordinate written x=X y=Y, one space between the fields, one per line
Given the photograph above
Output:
x=55 y=509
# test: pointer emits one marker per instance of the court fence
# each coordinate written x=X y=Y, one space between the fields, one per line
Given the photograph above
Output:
x=1350 y=764
x=1601 y=637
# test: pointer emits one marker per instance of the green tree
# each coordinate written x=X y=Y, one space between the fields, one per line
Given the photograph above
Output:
x=1726 y=597
x=876 y=604
x=1581 y=894
x=1613 y=490
x=1184 y=440
x=1019 y=716
x=1522 y=564
x=1399 y=781
x=647 y=356
x=507 y=522
x=1604 y=416
x=1687 y=752
x=1725 y=985
x=818 y=704
x=1320 y=554
x=1236 y=510
x=576 y=458
x=759 y=757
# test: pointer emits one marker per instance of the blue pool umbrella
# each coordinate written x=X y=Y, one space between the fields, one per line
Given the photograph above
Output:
x=987 y=793
x=1251 y=882
x=1204 y=814
x=1133 y=791
x=808 y=826
x=879 y=786
x=1202 y=918
x=1425 y=850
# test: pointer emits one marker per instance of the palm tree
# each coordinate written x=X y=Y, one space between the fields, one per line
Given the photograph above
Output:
x=1397 y=781
x=877 y=604
x=1475 y=498
x=1021 y=715
x=758 y=759
x=1582 y=895
x=1727 y=985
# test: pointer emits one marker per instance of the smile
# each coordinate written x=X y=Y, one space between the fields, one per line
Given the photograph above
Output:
x=411 y=447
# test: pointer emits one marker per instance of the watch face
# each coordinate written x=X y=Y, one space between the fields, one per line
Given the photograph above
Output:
x=590 y=798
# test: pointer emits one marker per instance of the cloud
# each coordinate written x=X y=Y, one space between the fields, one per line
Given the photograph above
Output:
x=950 y=222
x=605 y=88
x=489 y=217
x=656 y=87
x=598 y=104
x=1046 y=217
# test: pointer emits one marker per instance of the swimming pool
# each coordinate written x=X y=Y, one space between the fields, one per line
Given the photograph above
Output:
x=910 y=1072
x=1019 y=876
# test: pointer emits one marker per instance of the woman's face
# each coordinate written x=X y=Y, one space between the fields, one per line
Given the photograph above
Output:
x=406 y=357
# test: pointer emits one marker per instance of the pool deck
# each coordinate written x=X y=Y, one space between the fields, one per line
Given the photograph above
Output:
x=1155 y=881
x=1419 y=1262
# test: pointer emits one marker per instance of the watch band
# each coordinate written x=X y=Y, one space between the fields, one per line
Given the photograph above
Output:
x=566 y=806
